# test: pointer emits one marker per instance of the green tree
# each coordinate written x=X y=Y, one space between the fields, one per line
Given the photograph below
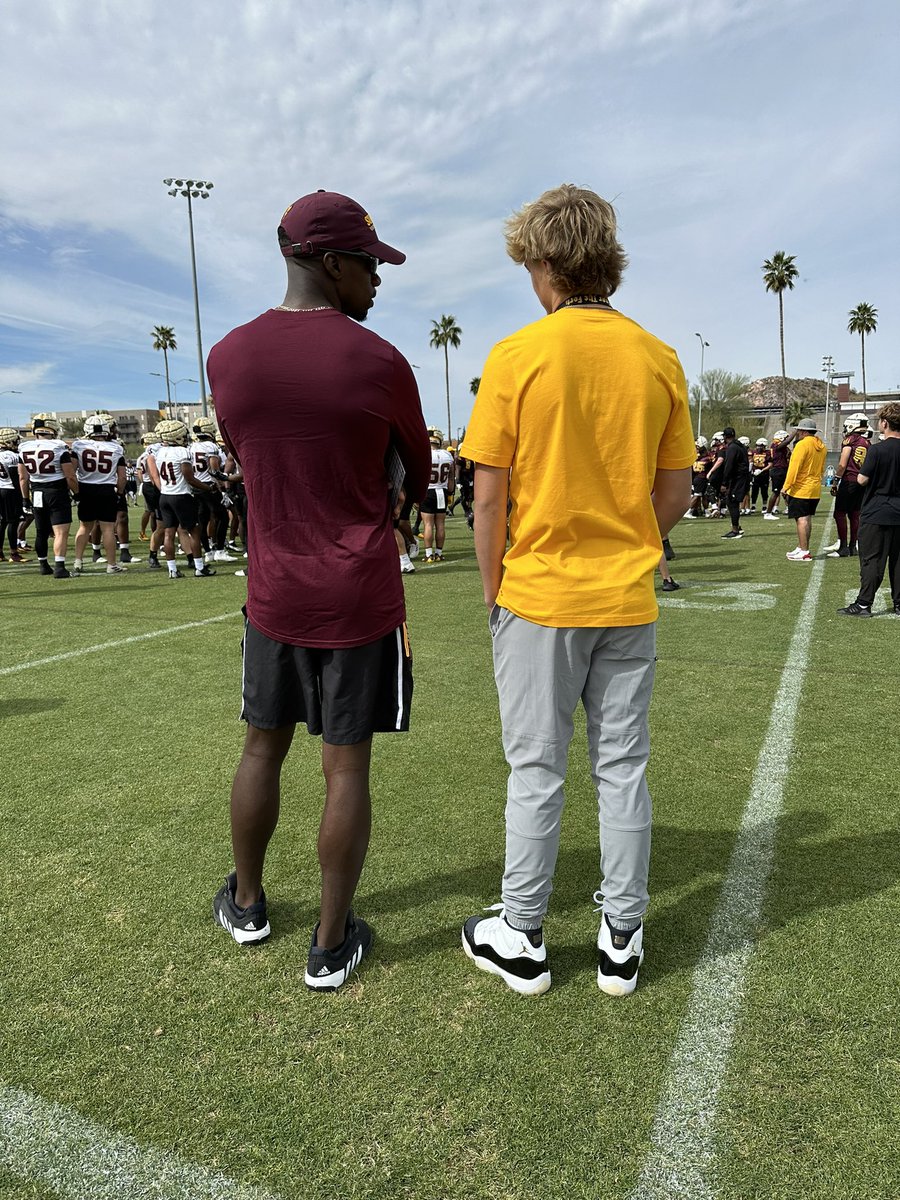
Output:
x=716 y=398
x=444 y=333
x=863 y=320
x=164 y=339
x=71 y=427
x=796 y=411
x=474 y=385
x=779 y=273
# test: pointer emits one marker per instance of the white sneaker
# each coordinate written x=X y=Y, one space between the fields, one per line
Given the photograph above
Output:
x=116 y=569
x=799 y=555
x=413 y=549
x=621 y=955
x=689 y=516
x=769 y=517
x=243 y=574
x=223 y=556
x=499 y=949
x=834 y=546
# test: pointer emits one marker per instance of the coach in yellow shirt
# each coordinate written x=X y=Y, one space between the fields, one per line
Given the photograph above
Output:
x=803 y=485
x=581 y=422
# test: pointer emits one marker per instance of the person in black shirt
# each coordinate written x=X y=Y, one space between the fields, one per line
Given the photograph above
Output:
x=735 y=480
x=879 y=529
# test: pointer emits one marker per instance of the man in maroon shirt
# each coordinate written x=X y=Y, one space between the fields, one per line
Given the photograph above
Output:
x=313 y=408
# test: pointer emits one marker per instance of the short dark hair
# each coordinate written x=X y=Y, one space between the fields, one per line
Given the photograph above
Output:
x=728 y=431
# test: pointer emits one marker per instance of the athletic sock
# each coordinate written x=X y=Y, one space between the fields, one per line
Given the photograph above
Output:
x=623 y=926
x=79 y=563
x=172 y=565
x=58 y=559
x=96 y=548
x=533 y=931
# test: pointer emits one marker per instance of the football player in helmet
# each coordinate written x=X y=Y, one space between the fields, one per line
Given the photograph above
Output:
x=699 y=480
x=779 y=453
x=713 y=475
x=434 y=507
x=172 y=470
x=760 y=464
x=101 y=475
x=149 y=491
x=47 y=476
x=846 y=488
x=10 y=493
x=213 y=518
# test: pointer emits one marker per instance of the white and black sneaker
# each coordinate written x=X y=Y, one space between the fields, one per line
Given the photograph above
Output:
x=495 y=947
x=327 y=970
x=621 y=954
x=250 y=924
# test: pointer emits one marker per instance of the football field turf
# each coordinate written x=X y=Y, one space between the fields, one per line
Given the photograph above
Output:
x=145 y=1056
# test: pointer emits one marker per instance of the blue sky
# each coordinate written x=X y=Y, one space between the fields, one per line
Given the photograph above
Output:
x=723 y=130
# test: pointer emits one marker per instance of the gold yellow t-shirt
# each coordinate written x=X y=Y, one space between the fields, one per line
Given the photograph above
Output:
x=583 y=406
x=805 y=469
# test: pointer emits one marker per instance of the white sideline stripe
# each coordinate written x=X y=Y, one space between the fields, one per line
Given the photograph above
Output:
x=129 y=641
x=80 y=1160
x=682 y=1152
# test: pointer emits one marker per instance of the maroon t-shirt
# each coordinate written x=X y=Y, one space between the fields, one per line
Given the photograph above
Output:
x=310 y=403
x=859 y=445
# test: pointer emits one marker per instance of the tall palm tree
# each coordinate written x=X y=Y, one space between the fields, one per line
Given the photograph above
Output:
x=779 y=273
x=444 y=333
x=863 y=320
x=474 y=385
x=164 y=339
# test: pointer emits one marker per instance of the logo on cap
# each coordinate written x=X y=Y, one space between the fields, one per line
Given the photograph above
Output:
x=368 y=220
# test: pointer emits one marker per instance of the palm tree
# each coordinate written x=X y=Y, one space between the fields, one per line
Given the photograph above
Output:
x=444 y=333
x=779 y=273
x=863 y=320
x=474 y=385
x=796 y=411
x=164 y=339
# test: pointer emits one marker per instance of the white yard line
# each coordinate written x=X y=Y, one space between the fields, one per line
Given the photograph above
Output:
x=80 y=1160
x=682 y=1155
x=129 y=641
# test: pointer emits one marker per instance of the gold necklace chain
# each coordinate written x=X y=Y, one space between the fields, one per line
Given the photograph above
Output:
x=287 y=308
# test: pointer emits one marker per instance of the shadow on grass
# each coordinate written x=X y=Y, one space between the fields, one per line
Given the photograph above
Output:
x=811 y=873
x=20 y=708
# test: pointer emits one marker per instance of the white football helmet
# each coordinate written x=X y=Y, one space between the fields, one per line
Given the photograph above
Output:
x=435 y=436
x=779 y=435
x=204 y=428
x=172 y=433
x=745 y=441
x=9 y=437
x=761 y=442
x=43 y=425
x=854 y=421
x=98 y=425
x=718 y=437
x=701 y=442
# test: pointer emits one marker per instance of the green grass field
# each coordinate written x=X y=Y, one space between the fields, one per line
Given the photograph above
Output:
x=127 y=1007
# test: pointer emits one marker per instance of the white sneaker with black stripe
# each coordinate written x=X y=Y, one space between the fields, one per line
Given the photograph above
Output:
x=621 y=954
x=497 y=948
x=327 y=970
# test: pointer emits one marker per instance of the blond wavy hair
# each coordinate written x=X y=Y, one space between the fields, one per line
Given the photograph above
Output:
x=891 y=413
x=574 y=229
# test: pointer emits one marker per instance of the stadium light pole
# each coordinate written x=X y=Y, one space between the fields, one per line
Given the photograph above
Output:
x=827 y=367
x=703 y=347
x=194 y=189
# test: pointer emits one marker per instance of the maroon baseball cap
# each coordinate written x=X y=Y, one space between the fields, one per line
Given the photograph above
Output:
x=330 y=221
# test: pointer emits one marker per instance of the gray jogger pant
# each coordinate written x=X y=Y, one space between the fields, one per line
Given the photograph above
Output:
x=541 y=675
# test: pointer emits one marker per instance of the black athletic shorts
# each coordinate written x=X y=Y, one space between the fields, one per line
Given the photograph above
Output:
x=699 y=485
x=777 y=478
x=179 y=510
x=345 y=695
x=97 y=502
x=10 y=506
x=151 y=494
x=849 y=496
x=54 y=501
x=430 y=505
x=798 y=507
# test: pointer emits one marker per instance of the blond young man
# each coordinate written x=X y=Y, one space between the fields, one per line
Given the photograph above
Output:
x=572 y=606
x=803 y=485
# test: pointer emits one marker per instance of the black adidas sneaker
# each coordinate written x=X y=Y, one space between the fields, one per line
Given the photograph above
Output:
x=327 y=970
x=250 y=924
